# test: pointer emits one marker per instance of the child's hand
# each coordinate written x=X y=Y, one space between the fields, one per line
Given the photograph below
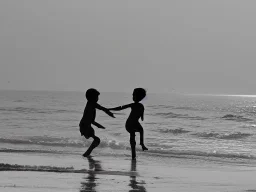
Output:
x=100 y=126
x=110 y=114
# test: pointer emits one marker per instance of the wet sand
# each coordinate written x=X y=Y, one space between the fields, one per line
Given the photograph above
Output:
x=119 y=173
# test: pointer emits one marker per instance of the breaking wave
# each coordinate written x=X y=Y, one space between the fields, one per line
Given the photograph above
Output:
x=237 y=118
x=6 y=150
x=179 y=116
x=173 y=153
x=249 y=126
x=201 y=154
x=173 y=131
x=237 y=135
x=62 y=142
x=29 y=110
x=15 y=167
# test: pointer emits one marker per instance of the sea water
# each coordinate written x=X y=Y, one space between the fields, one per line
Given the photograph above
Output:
x=214 y=128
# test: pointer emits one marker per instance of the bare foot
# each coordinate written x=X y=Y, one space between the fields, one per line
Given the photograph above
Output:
x=144 y=148
x=86 y=154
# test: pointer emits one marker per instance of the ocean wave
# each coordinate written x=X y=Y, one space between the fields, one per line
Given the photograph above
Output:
x=200 y=154
x=15 y=167
x=44 y=140
x=155 y=152
x=249 y=126
x=238 y=118
x=62 y=142
x=29 y=110
x=179 y=116
x=151 y=123
x=186 y=108
x=113 y=144
x=173 y=131
x=19 y=101
x=7 y=150
x=237 y=135
x=160 y=106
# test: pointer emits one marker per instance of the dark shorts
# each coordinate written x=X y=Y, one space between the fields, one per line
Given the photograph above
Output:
x=87 y=131
x=133 y=127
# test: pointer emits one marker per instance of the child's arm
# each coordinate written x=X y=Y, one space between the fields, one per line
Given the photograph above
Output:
x=120 y=107
x=142 y=115
x=105 y=110
x=98 y=125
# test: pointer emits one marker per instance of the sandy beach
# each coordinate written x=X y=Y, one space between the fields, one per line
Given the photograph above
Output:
x=119 y=173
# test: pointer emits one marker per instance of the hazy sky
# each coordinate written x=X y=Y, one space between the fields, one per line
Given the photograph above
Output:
x=196 y=46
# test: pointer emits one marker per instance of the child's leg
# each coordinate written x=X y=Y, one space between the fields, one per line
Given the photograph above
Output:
x=141 y=136
x=95 y=143
x=133 y=144
x=141 y=131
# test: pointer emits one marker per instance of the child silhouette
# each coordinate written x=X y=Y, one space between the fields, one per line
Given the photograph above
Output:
x=132 y=124
x=86 y=130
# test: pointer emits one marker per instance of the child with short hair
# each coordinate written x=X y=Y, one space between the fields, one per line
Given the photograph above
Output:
x=86 y=130
x=132 y=124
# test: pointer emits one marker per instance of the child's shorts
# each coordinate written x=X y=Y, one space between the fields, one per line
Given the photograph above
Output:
x=133 y=127
x=87 y=131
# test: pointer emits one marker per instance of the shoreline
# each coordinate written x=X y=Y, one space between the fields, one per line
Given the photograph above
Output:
x=111 y=173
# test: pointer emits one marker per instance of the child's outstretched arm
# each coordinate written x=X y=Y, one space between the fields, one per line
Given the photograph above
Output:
x=120 y=107
x=105 y=110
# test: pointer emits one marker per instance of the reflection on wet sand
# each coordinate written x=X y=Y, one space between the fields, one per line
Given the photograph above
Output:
x=134 y=184
x=96 y=168
x=90 y=185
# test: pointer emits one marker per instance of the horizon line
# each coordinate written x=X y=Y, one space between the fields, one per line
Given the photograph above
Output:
x=178 y=93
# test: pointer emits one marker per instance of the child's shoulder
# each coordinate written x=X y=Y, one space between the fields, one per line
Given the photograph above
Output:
x=90 y=105
x=139 y=105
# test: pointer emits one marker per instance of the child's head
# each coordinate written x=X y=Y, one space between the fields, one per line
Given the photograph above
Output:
x=139 y=94
x=92 y=95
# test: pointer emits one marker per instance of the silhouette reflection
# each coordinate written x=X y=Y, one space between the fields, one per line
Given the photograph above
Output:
x=90 y=184
x=134 y=184
x=95 y=166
